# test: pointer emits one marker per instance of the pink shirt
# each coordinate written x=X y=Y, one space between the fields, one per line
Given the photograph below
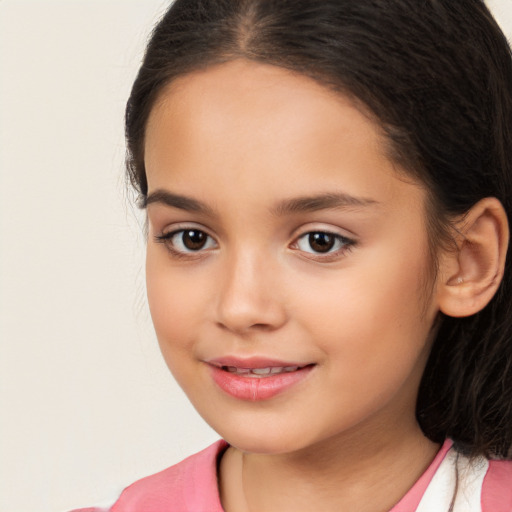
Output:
x=191 y=486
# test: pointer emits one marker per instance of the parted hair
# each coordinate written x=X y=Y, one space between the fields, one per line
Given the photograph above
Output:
x=436 y=75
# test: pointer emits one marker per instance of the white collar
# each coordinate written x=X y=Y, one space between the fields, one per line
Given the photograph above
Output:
x=439 y=493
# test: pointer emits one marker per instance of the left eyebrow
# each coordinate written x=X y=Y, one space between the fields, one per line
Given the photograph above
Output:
x=327 y=201
x=178 y=201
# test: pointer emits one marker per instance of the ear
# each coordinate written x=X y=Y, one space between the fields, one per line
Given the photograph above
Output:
x=470 y=274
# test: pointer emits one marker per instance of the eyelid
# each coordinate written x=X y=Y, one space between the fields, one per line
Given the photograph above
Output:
x=319 y=227
x=175 y=227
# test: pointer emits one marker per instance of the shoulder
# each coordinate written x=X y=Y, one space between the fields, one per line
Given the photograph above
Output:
x=188 y=486
x=497 y=487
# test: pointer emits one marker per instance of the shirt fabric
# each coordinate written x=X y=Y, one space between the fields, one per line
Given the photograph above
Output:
x=191 y=486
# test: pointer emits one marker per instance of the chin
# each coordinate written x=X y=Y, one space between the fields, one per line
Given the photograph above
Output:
x=262 y=440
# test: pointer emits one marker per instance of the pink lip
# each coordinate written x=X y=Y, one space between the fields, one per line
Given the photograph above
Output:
x=256 y=388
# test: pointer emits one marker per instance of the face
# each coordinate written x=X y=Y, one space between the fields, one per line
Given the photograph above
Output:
x=287 y=260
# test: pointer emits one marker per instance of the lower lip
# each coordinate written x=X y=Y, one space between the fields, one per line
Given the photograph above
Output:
x=257 y=388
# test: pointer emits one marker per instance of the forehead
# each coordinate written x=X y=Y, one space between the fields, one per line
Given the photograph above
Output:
x=241 y=122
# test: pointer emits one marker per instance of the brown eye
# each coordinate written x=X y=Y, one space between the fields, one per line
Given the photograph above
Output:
x=185 y=241
x=321 y=242
x=193 y=239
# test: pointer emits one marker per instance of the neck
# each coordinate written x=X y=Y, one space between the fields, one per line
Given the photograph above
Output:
x=361 y=473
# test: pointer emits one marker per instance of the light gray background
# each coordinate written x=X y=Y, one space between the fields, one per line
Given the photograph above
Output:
x=86 y=402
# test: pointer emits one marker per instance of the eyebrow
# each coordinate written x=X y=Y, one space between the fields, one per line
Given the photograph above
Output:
x=327 y=201
x=304 y=204
x=176 y=201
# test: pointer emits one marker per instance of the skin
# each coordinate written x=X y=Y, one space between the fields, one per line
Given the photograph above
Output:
x=243 y=139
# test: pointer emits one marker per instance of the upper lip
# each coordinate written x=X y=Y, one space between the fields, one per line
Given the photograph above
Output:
x=253 y=362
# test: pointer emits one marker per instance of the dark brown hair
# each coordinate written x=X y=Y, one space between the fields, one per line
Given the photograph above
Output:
x=437 y=76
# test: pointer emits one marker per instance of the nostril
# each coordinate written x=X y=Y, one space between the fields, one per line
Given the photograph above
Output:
x=241 y=328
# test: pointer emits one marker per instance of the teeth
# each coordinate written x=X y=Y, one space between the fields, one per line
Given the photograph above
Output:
x=234 y=369
x=261 y=371
x=271 y=370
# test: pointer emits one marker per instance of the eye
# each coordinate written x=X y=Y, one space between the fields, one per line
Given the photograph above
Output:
x=185 y=241
x=322 y=242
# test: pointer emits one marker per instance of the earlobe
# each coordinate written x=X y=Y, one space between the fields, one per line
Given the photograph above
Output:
x=471 y=273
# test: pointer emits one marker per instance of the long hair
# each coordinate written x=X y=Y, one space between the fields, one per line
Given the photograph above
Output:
x=437 y=77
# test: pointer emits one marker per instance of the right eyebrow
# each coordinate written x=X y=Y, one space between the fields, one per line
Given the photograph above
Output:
x=176 y=201
x=326 y=201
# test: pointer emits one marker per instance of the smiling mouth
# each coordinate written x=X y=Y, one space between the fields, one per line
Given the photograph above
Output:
x=255 y=380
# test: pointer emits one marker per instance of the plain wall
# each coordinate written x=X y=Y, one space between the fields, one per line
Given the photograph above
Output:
x=86 y=402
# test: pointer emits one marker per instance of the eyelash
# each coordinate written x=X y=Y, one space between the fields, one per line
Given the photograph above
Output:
x=344 y=244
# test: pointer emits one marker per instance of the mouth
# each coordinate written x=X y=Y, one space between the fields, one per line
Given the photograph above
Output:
x=257 y=379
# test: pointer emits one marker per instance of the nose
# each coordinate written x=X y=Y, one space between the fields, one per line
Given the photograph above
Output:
x=249 y=299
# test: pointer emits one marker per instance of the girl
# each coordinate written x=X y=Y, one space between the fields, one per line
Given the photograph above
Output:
x=327 y=187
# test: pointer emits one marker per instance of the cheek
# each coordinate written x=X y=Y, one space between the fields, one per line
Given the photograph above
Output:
x=371 y=316
x=174 y=301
